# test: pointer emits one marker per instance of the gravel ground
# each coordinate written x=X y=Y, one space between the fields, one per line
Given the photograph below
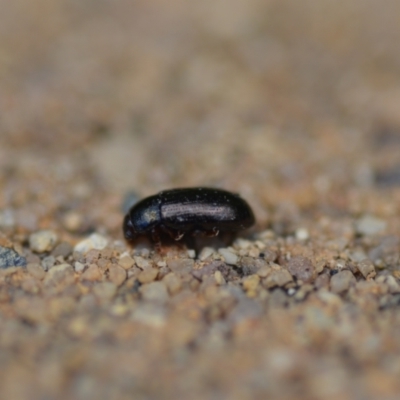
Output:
x=294 y=105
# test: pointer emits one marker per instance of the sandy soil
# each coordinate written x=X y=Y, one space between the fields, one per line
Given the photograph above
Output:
x=294 y=105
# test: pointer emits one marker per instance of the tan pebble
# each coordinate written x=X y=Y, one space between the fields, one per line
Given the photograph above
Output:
x=320 y=267
x=219 y=278
x=72 y=221
x=141 y=262
x=279 y=277
x=342 y=281
x=117 y=274
x=79 y=326
x=94 y=241
x=252 y=293
x=367 y=269
x=161 y=264
x=60 y=273
x=396 y=274
x=254 y=252
x=148 y=275
x=92 y=273
x=303 y=291
x=36 y=271
x=119 y=310
x=264 y=271
x=126 y=262
x=105 y=290
x=173 y=283
x=154 y=291
x=30 y=285
x=260 y=245
x=42 y=241
x=391 y=283
x=329 y=297
x=250 y=283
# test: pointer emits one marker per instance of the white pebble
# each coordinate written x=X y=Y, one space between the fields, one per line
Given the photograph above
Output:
x=229 y=257
x=94 y=241
x=79 y=267
x=191 y=253
x=205 y=253
x=302 y=234
x=42 y=241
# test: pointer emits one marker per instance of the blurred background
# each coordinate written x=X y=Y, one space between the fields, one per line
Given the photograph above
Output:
x=279 y=100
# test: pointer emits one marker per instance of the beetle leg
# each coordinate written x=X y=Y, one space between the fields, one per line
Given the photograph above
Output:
x=213 y=232
x=155 y=236
x=177 y=235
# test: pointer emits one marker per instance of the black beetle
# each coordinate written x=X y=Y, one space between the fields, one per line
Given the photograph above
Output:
x=190 y=210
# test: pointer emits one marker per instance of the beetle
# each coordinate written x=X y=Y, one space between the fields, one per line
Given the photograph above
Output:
x=188 y=211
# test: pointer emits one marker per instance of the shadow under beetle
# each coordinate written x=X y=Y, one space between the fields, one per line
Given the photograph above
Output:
x=188 y=211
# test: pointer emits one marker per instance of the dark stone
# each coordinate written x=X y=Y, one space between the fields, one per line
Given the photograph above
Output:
x=10 y=258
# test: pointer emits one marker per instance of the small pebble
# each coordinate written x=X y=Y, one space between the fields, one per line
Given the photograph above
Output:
x=7 y=219
x=48 y=262
x=301 y=268
x=342 y=281
x=173 y=283
x=279 y=277
x=62 y=249
x=94 y=241
x=302 y=234
x=219 y=278
x=154 y=291
x=181 y=266
x=370 y=225
x=250 y=283
x=150 y=314
x=254 y=252
x=10 y=258
x=242 y=243
x=60 y=273
x=78 y=266
x=42 y=241
x=191 y=253
x=391 y=282
x=105 y=290
x=92 y=273
x=73 y=221
x=126 y=261
x=148 y=275
x=205 y=253
x=36 y=270
x=367 y=269
x=141 y=262
x=229 y=257
x=264 y=271
x=117 y=274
